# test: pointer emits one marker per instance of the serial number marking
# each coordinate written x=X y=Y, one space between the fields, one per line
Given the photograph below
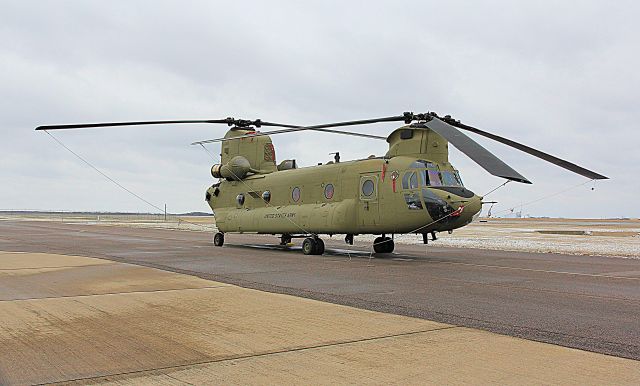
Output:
x=279 y=215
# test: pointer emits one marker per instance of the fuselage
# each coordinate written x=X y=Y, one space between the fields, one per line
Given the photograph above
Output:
x=400 y=194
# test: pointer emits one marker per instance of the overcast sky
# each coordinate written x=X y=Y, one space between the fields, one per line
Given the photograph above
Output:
x=559 y=76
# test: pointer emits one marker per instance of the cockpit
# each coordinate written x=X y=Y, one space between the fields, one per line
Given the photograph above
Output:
x=424 y=173
x=421 y=181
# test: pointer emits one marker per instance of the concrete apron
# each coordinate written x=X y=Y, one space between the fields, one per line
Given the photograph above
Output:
x=71 y=318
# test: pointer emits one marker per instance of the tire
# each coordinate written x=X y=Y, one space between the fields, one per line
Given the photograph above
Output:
x=319 y=247
x=309 y=246
x=285 y=239
x=378 y=245
x=383 y=245
x=389 y=245
x=218 y=239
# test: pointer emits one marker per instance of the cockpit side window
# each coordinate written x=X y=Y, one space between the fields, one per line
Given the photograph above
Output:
x=410 y=180
x=413 y=201
x=413 y=181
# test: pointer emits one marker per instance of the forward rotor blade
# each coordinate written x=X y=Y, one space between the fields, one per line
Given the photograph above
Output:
x=534 y=152
x=110 y=124
x=473 y=150
x=227 y=121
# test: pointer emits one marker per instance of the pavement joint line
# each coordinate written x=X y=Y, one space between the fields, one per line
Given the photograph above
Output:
x=536 y=270
x=261 y=354
x=116 y=293
x=60 y=266
x=536 y=289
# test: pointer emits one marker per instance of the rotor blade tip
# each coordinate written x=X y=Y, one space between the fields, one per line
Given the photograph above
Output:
x=518 y=179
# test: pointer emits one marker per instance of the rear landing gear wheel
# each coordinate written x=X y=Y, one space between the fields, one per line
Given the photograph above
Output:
x=319 y=247
x=309 y=246
x=218 y=239
x=383 y=245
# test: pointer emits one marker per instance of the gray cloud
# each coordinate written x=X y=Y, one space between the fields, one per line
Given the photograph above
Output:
x=558 y=76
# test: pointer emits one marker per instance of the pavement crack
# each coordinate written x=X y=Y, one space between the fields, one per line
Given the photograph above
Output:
x=115 y=293
x=255 y=355
x=56 y=266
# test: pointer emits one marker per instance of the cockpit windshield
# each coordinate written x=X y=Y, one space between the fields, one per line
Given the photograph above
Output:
x=450 y=178
x=430 y=175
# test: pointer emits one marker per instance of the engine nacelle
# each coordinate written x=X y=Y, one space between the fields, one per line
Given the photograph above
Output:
x=236 y=169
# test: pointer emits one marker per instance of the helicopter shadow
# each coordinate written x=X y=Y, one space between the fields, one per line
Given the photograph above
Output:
x=334 y=252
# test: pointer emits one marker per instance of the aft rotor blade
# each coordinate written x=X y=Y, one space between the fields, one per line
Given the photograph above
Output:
x=475 y=151
x=300 y=128
x=534 y=152
x=406 y=117
x=227 y=121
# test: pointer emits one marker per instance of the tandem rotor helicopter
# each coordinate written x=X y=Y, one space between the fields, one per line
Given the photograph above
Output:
x=413 y=188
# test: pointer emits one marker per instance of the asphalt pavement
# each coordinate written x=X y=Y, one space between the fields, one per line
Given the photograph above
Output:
x=586 y=302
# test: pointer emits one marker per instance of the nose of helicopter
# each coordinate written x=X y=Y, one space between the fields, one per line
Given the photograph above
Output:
x=470 y=209
x=465 y=209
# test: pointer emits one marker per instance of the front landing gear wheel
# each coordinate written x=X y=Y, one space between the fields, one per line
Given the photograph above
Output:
x=218 y=239
x=389 y=245
x=309 y=246
x=285 y=239
x=383 y=245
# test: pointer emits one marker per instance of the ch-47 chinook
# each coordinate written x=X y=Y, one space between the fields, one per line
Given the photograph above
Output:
x=413 y=188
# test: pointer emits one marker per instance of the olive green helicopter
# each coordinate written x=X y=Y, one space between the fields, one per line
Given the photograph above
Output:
x=413 y=188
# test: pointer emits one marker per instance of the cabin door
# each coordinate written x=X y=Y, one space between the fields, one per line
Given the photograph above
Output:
x=369 y=208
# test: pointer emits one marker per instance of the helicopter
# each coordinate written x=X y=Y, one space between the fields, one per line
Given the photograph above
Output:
x=413 y=188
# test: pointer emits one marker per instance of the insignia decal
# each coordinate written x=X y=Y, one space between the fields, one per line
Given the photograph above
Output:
x=394 y=177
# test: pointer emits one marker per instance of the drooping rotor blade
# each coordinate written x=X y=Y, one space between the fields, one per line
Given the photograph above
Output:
x=473 y=150
x=408 y=117
x=534 y=152
x=226 y=121
x=301 y=128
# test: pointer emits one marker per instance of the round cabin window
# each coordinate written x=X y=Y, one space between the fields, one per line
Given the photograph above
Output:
x=266 y=196
x=240 y=199
x=295 y=194
x=328 y=191
x=367 y=188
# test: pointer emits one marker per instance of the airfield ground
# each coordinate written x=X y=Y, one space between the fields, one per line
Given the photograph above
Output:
x=83 y=302
x=603 y=237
